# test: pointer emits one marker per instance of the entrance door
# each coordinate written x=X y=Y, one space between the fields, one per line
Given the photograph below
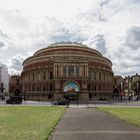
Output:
x=71 y=90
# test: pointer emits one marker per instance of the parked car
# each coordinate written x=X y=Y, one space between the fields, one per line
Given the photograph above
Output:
x=61 y=101
x=14 y=100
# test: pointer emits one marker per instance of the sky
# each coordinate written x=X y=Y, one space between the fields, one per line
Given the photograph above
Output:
x=109 y=26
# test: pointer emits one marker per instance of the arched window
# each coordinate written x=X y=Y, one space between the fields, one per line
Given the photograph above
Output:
x=33 y=88
x=99 y=76
x=38 y=76
x=71 y=70
x=71 y=87
x=104 y=76
x=64 y=70
x=38 y=87
x=44 y=75
x=29 y=76
x=51 y=75
x=77 y=71
x=94 y=75
x=51 y=87
x=94 y=87
x=33 y=76
x=89 y=87
x=44 y=88
x=100 y=87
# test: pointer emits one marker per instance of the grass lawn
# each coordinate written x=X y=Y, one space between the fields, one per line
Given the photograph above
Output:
x=28 y=122
x=128 y=114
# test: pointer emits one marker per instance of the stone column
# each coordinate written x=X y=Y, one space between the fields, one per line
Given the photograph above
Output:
x=61 y=70
x=74 y=70
x=66 y=70
x=80 y=71
x=86 y=70
x=55 y=70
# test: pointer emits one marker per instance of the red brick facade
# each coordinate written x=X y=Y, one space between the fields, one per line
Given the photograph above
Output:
x=46 y=73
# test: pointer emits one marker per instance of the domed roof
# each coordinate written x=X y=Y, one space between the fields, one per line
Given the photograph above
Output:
x=75 y=49
x=67 y=44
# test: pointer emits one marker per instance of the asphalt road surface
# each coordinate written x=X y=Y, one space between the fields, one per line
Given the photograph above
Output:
x=92 y=124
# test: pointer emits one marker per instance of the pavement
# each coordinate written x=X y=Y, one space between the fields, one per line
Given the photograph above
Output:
x=108 y=104
x=91 y=124
x=27 y=103
x=81 y=104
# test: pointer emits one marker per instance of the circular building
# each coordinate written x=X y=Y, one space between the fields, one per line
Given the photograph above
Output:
x=67 y=68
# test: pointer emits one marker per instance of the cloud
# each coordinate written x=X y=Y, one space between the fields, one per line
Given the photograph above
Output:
x=15 y=63
x=112 y=27
x=13 y=18
x=97 y=42
x=104 y=2
x=132 y=38
x=127 y=57
x=2 y=44
x=4 y=41
x=3 y=35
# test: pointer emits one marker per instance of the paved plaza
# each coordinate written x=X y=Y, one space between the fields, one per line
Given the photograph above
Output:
x=92 y=124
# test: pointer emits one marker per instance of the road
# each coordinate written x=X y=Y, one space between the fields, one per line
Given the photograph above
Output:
x=81 y=104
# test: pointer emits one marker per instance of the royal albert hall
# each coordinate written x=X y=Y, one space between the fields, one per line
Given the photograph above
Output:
x=67 y=68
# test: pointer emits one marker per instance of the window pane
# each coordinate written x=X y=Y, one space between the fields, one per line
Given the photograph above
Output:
x=77 y=70
x=64 y=70
x=71 y=70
